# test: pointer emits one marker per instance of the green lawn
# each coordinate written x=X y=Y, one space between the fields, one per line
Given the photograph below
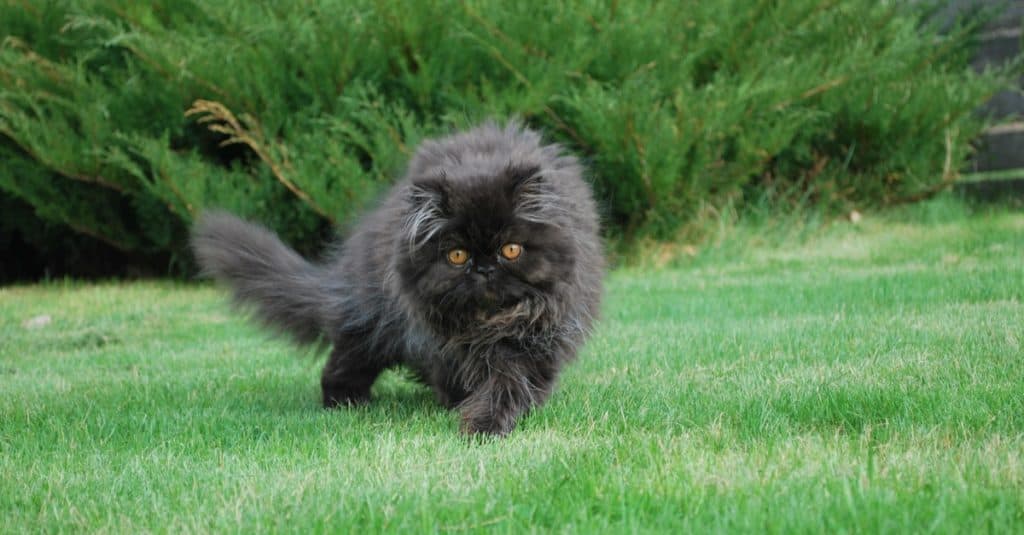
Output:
x=861 y=378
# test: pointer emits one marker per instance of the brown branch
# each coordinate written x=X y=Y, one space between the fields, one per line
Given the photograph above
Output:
x=645 y=176
x=829 y=85
x=246 y=130
x=500 y=35
x=167 y=74
x=27 y=6
x=97 y=180
x=816 y=168
x=96 y=235
x=149 y=60
x=50 y=69
x=397 y=139
x=177 y=193
x=496 y=54
x=949 y=177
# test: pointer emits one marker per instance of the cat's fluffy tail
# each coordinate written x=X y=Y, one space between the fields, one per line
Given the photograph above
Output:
x=285 y=291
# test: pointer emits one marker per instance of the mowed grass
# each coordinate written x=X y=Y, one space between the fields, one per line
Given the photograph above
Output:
x=864 y=378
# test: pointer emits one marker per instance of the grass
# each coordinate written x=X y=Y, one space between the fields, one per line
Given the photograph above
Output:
x=863 y=377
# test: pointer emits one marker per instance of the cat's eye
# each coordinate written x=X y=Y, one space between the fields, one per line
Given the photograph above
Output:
x=511 y=251
x=458 y=256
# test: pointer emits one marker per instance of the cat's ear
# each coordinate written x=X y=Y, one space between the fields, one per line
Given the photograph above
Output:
x=430 y=193
x=532 y=195
x=524 y=179
x=428 y=210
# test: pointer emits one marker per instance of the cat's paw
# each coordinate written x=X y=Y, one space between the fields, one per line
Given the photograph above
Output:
x=341 y=397
x=482 y=427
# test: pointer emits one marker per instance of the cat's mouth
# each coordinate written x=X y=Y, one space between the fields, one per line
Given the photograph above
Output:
x=488 y=301
x=501 y=315
x=490 y=304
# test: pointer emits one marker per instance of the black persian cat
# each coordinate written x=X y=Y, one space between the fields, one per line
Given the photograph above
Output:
x=481 y=271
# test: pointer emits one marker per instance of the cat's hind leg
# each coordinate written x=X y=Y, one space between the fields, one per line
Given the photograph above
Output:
x=349 y=373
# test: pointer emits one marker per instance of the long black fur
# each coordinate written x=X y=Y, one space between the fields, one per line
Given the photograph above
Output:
x=491 y=336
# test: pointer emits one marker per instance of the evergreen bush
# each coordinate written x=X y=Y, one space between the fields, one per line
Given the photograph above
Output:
x=122 y=119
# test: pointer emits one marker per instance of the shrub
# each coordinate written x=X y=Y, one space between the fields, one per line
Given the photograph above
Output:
x=122 y=119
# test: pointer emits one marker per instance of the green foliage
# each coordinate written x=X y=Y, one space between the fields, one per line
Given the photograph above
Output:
x=123 y=119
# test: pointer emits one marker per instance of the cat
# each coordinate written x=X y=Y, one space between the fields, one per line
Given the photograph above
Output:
x=481 y=271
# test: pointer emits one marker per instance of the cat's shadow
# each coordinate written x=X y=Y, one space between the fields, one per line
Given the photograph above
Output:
x=404 y=395
x=397 y=392
x=395 y=396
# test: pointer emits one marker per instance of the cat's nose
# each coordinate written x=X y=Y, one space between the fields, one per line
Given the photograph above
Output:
x=484 y=269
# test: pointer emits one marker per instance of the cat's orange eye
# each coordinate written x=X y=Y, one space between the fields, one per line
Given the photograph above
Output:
x=511 y=251
x=458 y=256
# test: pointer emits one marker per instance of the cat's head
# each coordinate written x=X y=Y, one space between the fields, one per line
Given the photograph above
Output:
x=483 y=245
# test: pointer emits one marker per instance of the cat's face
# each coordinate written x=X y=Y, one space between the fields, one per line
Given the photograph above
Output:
x=479 y=246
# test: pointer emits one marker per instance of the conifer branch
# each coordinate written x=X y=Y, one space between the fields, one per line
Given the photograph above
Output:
x=246 y=130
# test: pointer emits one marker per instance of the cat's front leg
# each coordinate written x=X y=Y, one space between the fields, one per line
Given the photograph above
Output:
x=510 y=390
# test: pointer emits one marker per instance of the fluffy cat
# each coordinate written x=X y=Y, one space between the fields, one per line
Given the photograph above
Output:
x=481 y=271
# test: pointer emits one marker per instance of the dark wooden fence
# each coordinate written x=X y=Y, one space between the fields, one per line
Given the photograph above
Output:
x=998 y=166
x=1002 y=148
